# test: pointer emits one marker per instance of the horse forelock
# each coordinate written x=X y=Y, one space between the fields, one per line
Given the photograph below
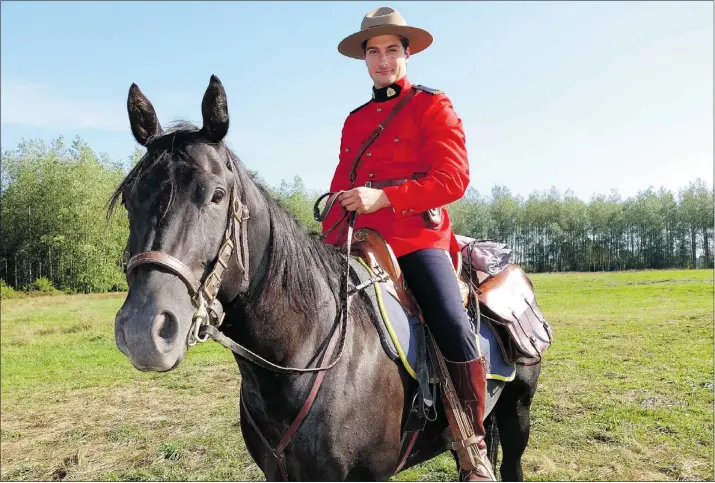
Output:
x=162 y=151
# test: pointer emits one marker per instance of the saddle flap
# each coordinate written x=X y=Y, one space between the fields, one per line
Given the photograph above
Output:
x=509 y=296
x=369 y=245
x=377 y=253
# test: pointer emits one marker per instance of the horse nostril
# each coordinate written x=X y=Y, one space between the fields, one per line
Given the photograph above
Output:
x=165 y=329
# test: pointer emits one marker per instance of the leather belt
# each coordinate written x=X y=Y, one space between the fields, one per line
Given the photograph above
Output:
x=392 y=182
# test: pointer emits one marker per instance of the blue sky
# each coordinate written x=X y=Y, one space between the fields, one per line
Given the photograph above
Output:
x=586 y=96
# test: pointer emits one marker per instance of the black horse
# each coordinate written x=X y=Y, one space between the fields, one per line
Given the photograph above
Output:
x=281 y=293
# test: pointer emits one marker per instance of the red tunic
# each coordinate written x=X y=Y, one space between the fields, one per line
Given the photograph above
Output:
x=427 y=136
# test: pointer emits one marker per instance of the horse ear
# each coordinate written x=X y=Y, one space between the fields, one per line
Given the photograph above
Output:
x=214 y=109
x=142 y=116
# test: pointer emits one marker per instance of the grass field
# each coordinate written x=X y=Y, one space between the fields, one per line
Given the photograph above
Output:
x=626 y=391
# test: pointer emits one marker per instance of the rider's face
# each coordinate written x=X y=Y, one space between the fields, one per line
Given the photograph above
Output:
x=386 y=59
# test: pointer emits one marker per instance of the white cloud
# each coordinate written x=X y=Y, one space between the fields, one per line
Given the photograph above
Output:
x=40 y=105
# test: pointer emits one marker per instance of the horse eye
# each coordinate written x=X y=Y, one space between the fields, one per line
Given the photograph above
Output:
x=218 y=196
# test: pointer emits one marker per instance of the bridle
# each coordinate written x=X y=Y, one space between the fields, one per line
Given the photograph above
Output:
x=204 y=293
x=209 y=314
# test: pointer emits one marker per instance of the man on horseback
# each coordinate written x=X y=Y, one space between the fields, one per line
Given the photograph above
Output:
x=399 y=187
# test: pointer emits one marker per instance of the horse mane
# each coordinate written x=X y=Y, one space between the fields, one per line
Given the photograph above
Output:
x=294 y=253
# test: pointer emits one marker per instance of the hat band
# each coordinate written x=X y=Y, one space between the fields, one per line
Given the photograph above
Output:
x=384 y=25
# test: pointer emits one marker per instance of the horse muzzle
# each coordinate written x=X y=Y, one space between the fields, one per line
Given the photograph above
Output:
x=153 y=325
x=152 y=341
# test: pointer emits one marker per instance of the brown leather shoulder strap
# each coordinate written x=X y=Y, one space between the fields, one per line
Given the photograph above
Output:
x=380 y=127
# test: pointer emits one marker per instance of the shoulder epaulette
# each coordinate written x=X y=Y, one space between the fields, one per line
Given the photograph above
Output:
x=359 y=107
x=429 y=90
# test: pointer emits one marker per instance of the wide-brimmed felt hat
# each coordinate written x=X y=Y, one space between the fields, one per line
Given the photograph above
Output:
x=384 y=21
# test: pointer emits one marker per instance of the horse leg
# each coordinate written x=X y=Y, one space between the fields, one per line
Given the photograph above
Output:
x=492 y=438
x=512 y=417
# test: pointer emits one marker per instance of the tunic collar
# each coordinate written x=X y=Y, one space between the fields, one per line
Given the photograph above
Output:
x=392 y=91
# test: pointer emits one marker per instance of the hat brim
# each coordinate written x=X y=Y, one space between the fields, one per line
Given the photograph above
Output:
x=351 y=46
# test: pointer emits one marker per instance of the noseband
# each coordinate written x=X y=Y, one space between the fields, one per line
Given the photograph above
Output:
x=209 y=311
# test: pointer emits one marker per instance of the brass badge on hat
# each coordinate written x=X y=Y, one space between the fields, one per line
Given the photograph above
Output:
x=390 y=92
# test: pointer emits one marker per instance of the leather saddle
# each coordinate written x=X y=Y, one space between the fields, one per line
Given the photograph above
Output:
x=507 y=299
x=369 y=245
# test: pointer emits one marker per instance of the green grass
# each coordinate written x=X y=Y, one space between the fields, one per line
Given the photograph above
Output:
x=626 y=391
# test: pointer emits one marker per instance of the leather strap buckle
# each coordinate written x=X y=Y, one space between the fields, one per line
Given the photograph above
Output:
x=368 y=184
x=457 y=445
x=209 y=291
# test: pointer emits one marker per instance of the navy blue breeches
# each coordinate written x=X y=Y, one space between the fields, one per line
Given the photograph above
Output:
x=430 y=276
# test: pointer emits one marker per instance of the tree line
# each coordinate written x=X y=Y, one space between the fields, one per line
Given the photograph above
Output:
x=54 y=226
x=548 y=231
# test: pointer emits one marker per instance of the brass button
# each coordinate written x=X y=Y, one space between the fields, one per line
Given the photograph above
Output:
x=411 y=210
x=379 y=109
x=371 y=175
x=347 y=150
x=397 y=140
x=369 y=154
x=404 y=212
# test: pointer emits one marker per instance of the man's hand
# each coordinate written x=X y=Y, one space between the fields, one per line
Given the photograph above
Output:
x=364 y=200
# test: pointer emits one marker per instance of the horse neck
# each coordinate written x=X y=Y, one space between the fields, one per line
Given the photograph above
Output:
x=289 y=309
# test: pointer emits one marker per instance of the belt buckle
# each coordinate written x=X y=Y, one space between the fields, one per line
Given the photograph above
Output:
x=368 y=184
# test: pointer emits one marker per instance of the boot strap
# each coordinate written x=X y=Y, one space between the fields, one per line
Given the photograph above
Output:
x=457 y=445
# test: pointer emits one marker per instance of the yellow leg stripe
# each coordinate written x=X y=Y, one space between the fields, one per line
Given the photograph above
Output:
x=395 y=340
